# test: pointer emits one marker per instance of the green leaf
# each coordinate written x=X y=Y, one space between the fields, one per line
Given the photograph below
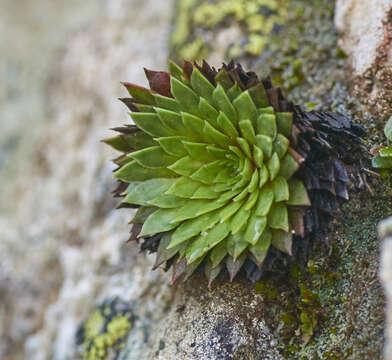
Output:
x=206 y=241
x=234 y=265
x=218 y=253
x=288 y=166
x=278 y=217
x=198 y=151
x=215 y=137
x=266 y=125
x=205 y=192
x=163 y=253
x=133 y=171
x=258 y=155
x=259 y=95
x=223 y=79
x=236 y=244
x=247 y=131
x=172 y=121
x=153 y=157
x=186 y=166
x=224 y=104
x=142 y=214
x=266 y=198
x=216 y=152
x=207 y=173
x=245 y=107
x=298 y=193
x=251 y=200
x=234 y=91
x=263 y=176
x=229 y=210
x=167 y=201
x=260 y=248
x=273 y=166
x=118 y=143
x=284 y=122
x=175 y=71
x=283 y=241
x=388 y=129
x=148 y=190
x=240 y=219
x=281 y=189
x=264 y=143
x=195 y=208
x=254 y=181
x=140 y=93
x=183 y=187
x=140 y=140
x=201 y=85
x=185 y=96
x=193 y=227
x=167 y=103
x=160 y=221
x=151 y=124
x=280 y=145
x=208 y=112
x=244 y=147
x=226 y=125
x=194 y=125
x=266 y=110
x=246 y=174
x=173 y=145
x=145 y=108
x=255 y=228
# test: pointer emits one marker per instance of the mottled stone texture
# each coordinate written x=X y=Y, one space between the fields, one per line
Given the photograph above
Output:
x=385 y=231
x=366 y=37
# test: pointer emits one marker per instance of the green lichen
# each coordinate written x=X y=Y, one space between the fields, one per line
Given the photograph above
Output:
x=258 y=20
x=105 y=331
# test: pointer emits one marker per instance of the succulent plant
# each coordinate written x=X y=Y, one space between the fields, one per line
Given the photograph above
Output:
x=383 y=154
x=222 y=168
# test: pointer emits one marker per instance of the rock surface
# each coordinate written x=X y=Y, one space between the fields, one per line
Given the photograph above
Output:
x=385 y=232
x=366 y=28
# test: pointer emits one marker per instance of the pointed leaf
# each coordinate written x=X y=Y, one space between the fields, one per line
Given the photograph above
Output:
x=198 y=151
x=167 y=103
x=260 y=249
x=133 y=171
x=186 y=166
x=244 y=145
x=264 y=143
x=151 y=124
x=226 y=125
x=224 y=79
x=263 y=176
x=140 y=93
x=207 y=173
x=183 y=187
x=193 y=227
x=208 y=112
x=273 y=166
x=236 y=244
x=288 y=166
x=245 y=107
x=194 y=125
x=163 y=253
x=167 y=201
x=281 y=189
x=266 y=125
x=175 y=71
x=266 y=198
x=259 y=95
x=278 y=217
x=173 y=145
x=234 y=266
x=298 y=194
x=160 y=221
x=284 y=122
x=201 y=85
x=280 y=145
x=148 y=190
x=255 y=228
x=153 y=157
x=224 y=104
x=142 y=214
x=247 y=131
x=195 y=208
x=172 y=121
x=239 y=221
x=215 y=137
x=283 y=241
x=258 y=156
x=185 y=96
